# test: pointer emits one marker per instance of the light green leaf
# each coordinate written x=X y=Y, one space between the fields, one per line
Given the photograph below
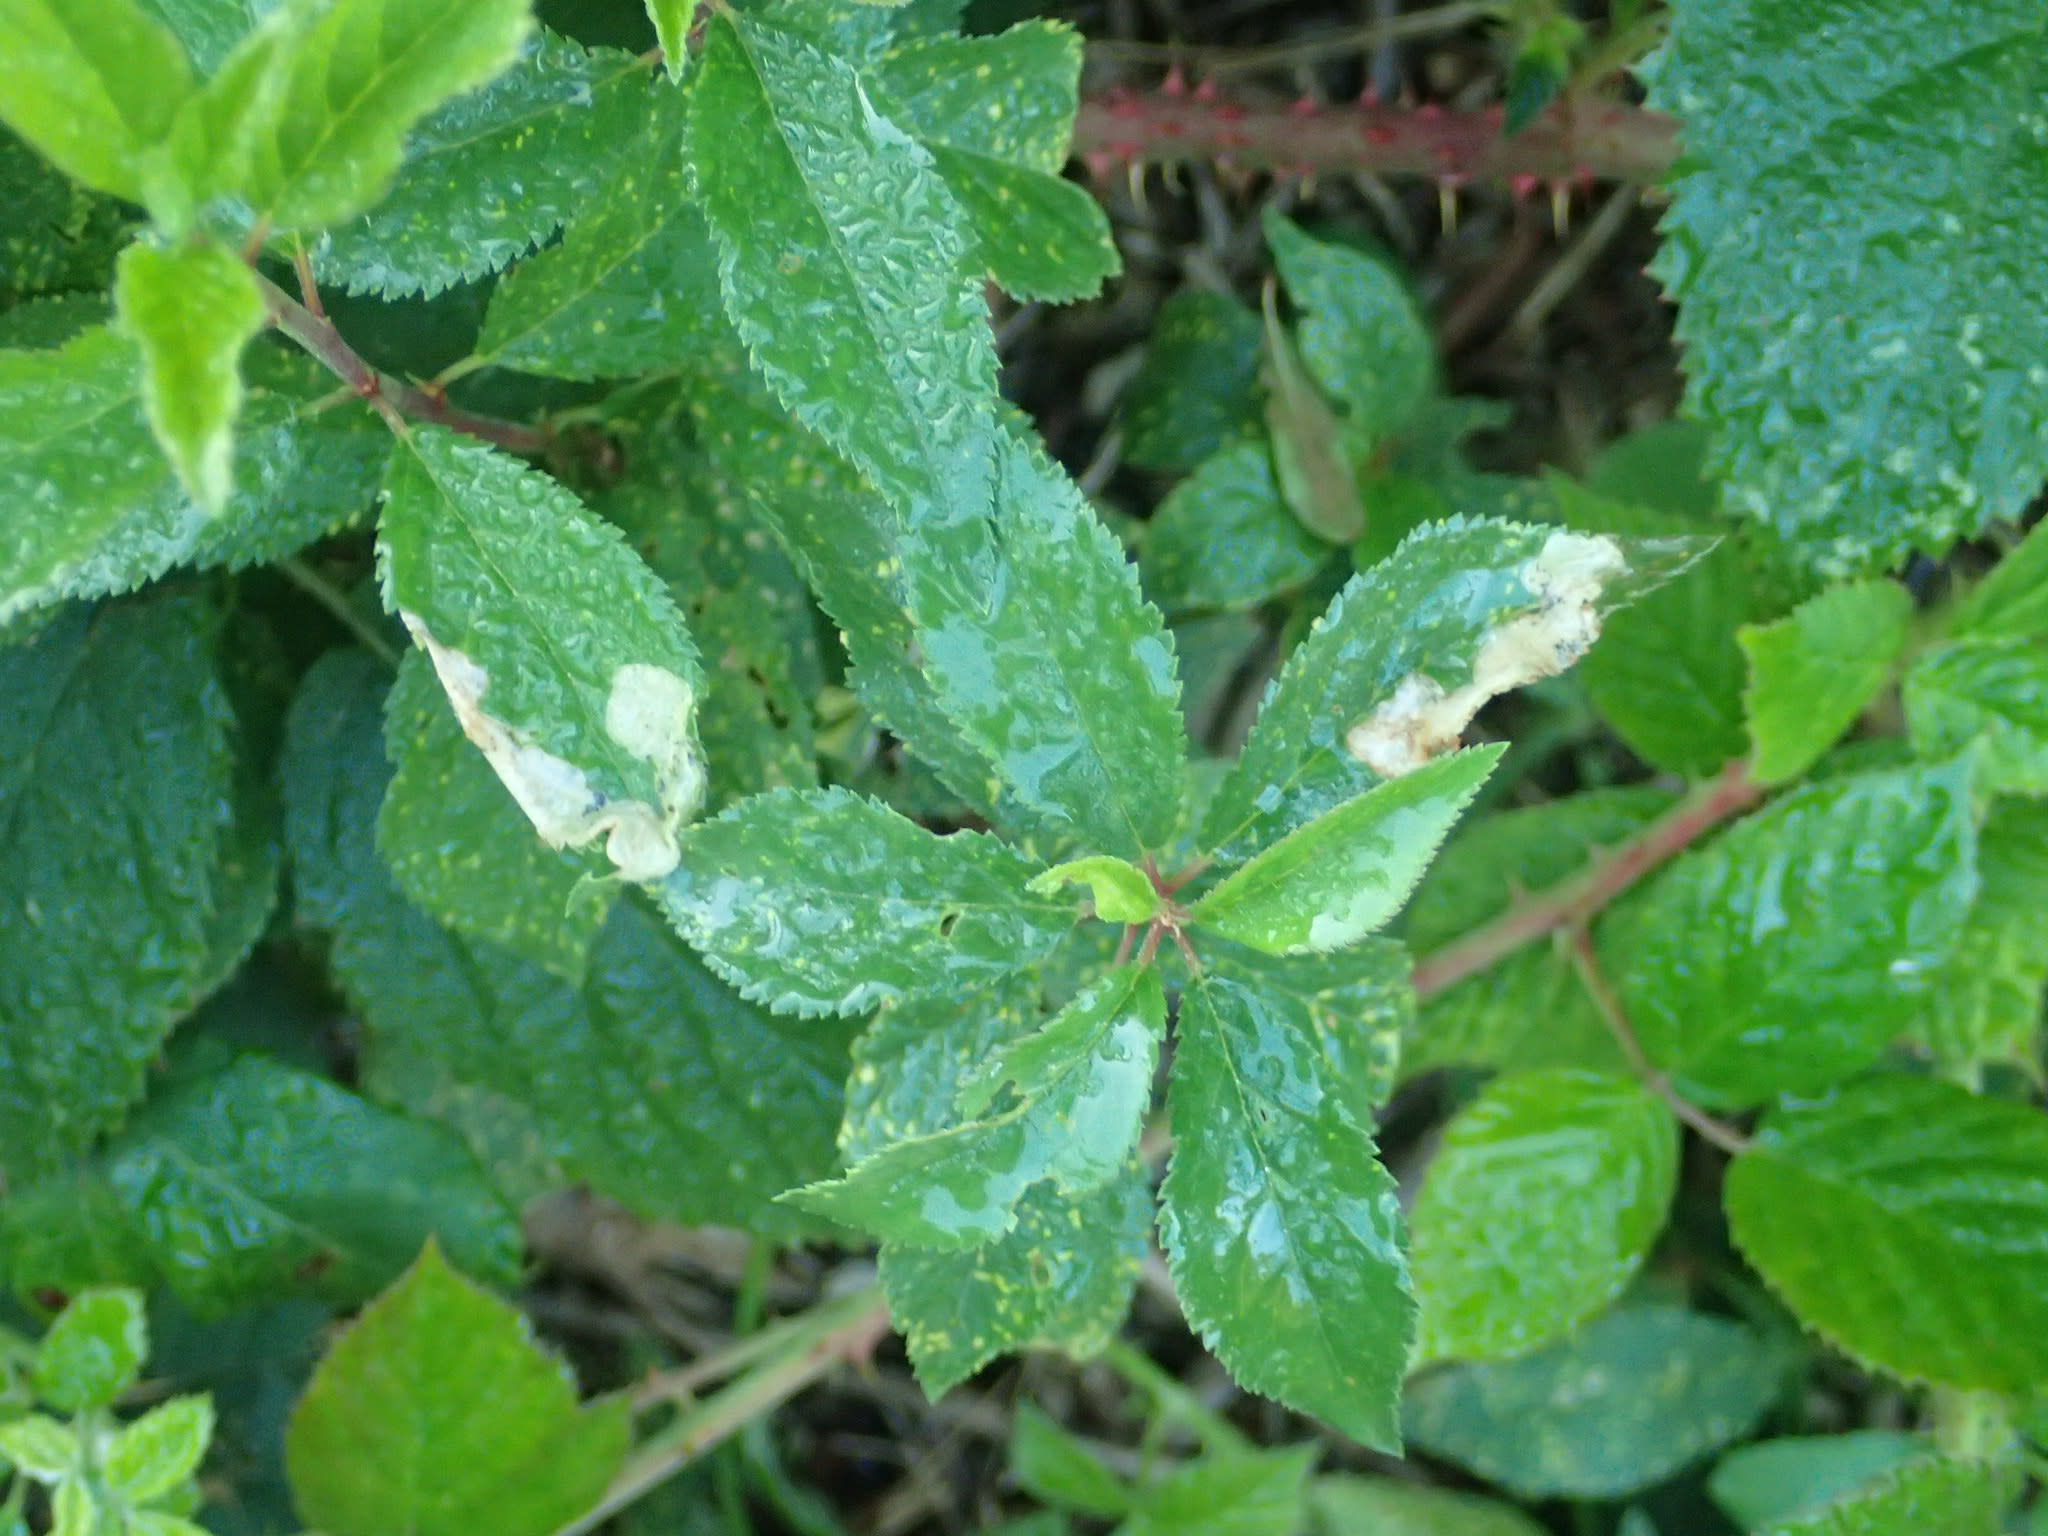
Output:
x=1870 y=397
x=191 y=309
x=710 y=1106
x=1799 y=1474
x=354 y=78
x=1990 y=691
x=563 y=656
x=672 y=20
x=1537 y=1210
x=632 y=287
x=40 y=1447
x=1282 y=1229
x=156 y=1522
x=492 y=174
x=94 y=1350
x=116 y=753
x=160 y=1450
x=1361 y=333
x=884 y=908
x=1386 y=1506
x=97 y=508
x=1223 y=538
x=1813 y=672
x=2011 y=602
x=436 y=1414
x=94 y=87
x=1790 y=952
x=1057 y=1468
x=1244 y=1495
x=1484 y=607
x=1623 y=1404
x=1197 y=388
x=1529 y=1010
x=1345 y=874
x=459 y=847
x=1119 y=892
x=1957 y=1498
x=1986 y=1005
x=1898 y=1217
x=1081 y=1085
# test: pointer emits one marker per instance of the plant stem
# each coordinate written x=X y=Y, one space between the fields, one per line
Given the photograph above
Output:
x=1355 y=39
x=805 y=1349
x=394 y=399
x=1174 y=1401
x=1574 y=141
x=324 y=592
x=1608 y=1001
x=1576 y=901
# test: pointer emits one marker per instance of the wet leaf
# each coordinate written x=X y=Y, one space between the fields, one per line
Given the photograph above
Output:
x=1117 y=892
x=1814 y=672
x=1223 y=538
x=1989 y=692
x=1798 y=1475
x=1197 y=389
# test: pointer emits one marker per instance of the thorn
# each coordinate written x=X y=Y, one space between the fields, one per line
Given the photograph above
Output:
x=1175 y=83
x=1430 y=111
x=1100 y=164
x=1205 y=91
x=1584 y=179
x=1126 y=151
x=1561 y=208
x=1135 y=177
x=1123 y=104
x=1308 y=184
x=1307 y=106
x=1369 y=98
x=1447 y=204
x=1524 y=186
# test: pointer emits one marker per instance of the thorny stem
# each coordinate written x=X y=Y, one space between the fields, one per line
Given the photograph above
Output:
x=395 y=399
x=1576 y=901
x=804 y=1350
x=1576 y=141
x=1608 y=1001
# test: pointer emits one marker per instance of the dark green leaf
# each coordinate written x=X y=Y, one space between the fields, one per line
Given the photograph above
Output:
x=1988 y=691
x=1224 y=538
x=436 y=1414
x=1621 y=1405
x=1791 y=951
x=1898 y=1217
x=1056 y=1468
x=1798 y=1474
x=1957 y=1498
x=1813 y=672
x=1537 y=1210
x=1282 y=1229
x=1244 y=1495
x=1197 y=388
x=1870 y=392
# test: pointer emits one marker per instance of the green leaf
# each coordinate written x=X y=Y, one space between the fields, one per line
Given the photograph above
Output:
x=1080 y=1088
x=997 y=114
x=1867 y=396
x=59 y=235
x=1957 y=1498
x=115 y=737
x=436 y=1414
x=152 y=1456
x=1537 y=1210
x=885 y=909
x=1361 y=334
x=1484 y=607
x=563 y=656
x=1345 y=874
x=632 y=287
x=459 y=847
x=1799 y=1474
x=1224 y=539
x=353 y=79
x=1991 y=692
x=1386 y=1506
x=1623 y=1404
x=672 y=20
x=710 y=1106
x=1057 y=1468
x=94 y=1350
x=2012 y=601
x=40 y=1447
x=1244 y=1495
x=1986 y=1004
x=1897 y=1218
x=191 y=309
x=97 y=506
x=1118 y=892
x=1309 y=455
x=1791 y=951
x=1528 y=1011
x=1282 y=1229
x=1197 y=388
x=1812 y=673
x=92 y=87
x=494 y=173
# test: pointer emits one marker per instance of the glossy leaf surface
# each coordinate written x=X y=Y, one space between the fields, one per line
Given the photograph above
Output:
x=1967 y=1498
x=1793 y=1475
x=1990 y=692
x=1197 y=388
x=1898 y=1217
x=1621 y=1405
x=1787 y=954
x=1867 y=389
x=1224 y=538
x=1329 y=884
x=1537 y=1210
x=1813 y=672
x=1281 y=1228
x=437 y=1414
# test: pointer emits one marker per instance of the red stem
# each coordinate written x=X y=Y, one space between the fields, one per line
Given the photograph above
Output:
x=1572 y=142
x=1575 y=902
